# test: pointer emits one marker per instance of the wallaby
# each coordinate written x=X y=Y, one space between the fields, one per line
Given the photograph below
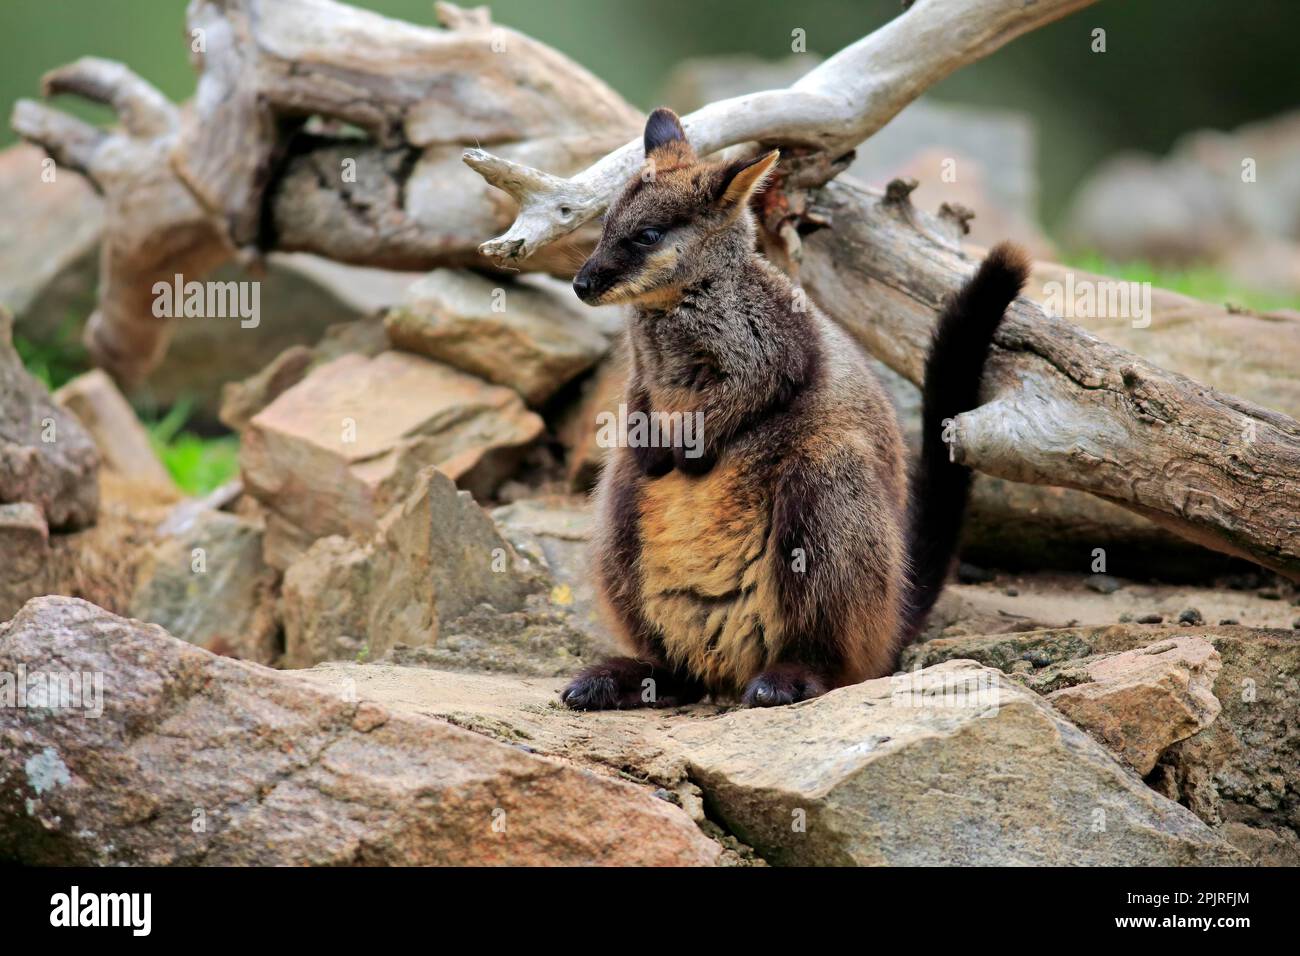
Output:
x=778 y=558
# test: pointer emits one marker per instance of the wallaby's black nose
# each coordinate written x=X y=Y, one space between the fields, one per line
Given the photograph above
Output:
x=581 y=285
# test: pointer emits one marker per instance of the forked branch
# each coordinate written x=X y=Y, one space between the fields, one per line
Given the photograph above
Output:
x=831 y=110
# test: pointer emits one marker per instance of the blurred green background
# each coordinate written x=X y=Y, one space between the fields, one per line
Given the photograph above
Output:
x=1171 y=65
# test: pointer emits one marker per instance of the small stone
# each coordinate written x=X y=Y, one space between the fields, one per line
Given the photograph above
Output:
x=122 y=441
x=1102 y=583
x=1296 y=624
x=1191 y=617
x=369 y=715
x=1229 y=620
x=1151 y=619
x=1271 y=594
x=1011 y=592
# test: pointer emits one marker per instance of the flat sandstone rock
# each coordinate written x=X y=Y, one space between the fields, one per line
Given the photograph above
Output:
x=334 y=452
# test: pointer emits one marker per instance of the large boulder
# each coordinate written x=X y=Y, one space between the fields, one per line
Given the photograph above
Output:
x=952 y=766
x=955 y=766
x=46 y=457
x=531 y=334
x=199 y=759
x=1240 y=769
x=332 y=454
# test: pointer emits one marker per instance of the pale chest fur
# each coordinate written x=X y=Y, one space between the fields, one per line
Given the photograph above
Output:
x=707 y=581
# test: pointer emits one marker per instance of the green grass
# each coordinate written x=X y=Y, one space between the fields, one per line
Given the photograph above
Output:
x=197 y=464
x=58 y=361
x=1199 y=282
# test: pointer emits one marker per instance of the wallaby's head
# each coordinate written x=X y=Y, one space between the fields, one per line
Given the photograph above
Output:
x=677 y=221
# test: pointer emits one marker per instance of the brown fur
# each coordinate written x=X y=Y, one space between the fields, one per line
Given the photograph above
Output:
x=773 y=565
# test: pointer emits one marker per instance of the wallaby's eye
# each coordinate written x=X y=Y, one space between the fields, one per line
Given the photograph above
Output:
x=648 y=237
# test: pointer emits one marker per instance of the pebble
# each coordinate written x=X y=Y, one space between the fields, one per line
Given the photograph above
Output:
x=1229 y=620
x=1011 y=592
x=1190 y=617
x=1102 y=583
x=1151 y=619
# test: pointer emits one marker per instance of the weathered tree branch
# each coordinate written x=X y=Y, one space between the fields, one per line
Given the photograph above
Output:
x=1062 y=407
x=263 y=159
x=831 y=110
x=158 y=228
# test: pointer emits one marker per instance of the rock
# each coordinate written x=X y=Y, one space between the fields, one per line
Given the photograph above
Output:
x=579 y=427
x=49 y=242
x=1242 y=767
x=1136 y=208
x=954 y=766
x=539 y=640
x=46 y=457
x=435 y=558
x=1196 y=204
x=118 y=434
x=206 y=583
x=556 y=535
x=1102 y=583
x=240 y=401
x=234 y=764
x=300 y=296
x=1191 y=617
x=25 y=545
x=1151 y=619
x=531 y=335
x=877 y=780
x=334 y=452
x=1139 y=702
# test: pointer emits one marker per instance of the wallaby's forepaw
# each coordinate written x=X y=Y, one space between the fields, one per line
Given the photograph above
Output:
x=621 y=683
x=784 y=684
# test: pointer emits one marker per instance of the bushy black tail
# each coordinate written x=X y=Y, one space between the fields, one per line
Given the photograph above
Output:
x=952 y=380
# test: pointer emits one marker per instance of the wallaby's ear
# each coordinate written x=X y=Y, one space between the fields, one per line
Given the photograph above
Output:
x=743 y=178
x=662 y=129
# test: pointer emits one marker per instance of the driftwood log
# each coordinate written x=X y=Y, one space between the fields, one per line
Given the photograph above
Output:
x=1061 y=406
x=315 y=127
